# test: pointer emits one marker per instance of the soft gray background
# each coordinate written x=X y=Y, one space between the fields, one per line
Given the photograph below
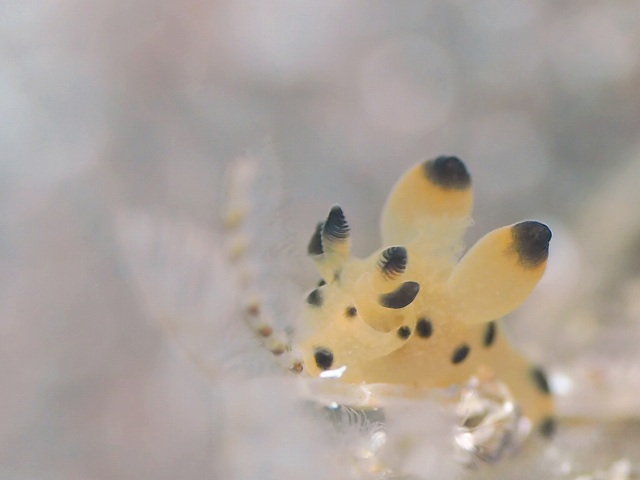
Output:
x=110 y=106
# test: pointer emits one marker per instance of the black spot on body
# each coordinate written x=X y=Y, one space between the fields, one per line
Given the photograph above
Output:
x=315 y=298
x=351 y=311
x=489 y=334
x=322 y=283
x=404 y=332
x=540 y=379
x=531 y=242
x=315 y=244
x=401 y=296
x=424 y=328
x=548 y=427
x=393 y=261
x=323 y=357
x=447 y=172
x=460 y=353
x=336 y=226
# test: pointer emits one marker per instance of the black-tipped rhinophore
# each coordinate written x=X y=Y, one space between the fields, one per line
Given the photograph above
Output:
x=336 y=226
x=401 y=296
x=447 y=172
x=315 y=244
x=393 y=261
x=531 y=242
x=323 y=357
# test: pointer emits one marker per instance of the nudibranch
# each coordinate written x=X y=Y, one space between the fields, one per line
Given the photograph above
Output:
x=416 y=313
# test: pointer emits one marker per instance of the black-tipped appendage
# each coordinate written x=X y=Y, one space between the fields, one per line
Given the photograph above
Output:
x=336 y=226
x=401 y=296
x=531 y=242
x=393 y=261
x=447 y=172
x=315 y=244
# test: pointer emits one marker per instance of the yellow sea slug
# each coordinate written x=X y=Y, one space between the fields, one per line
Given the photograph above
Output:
x=414 y=313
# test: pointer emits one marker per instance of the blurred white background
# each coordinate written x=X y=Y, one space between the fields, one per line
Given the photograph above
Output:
x=111 y=106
